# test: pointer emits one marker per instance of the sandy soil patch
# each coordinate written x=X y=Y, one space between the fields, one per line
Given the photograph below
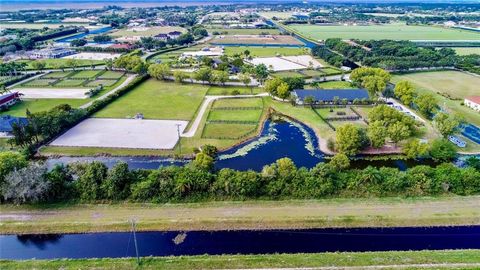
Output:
x=73 y=93
x=123 y=133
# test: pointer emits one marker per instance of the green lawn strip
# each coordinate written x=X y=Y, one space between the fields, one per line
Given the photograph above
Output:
x=331 y=71
x=217 y=215
x=57 y=74
x=332 y=112
x=337 y=259
x=230 y=90
x=57 y=63
x=157 y=100
x=256 y=51
x=40 y=82
x=238 y=102
x=333 y=85
x=390 y=31
x=69 y=83
x=235 y=115
x=228 y=131
x=111 y=75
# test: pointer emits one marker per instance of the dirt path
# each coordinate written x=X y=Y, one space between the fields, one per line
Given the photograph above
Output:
x=243 y=215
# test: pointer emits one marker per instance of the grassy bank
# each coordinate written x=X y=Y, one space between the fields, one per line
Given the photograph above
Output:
x=445 y=259
x=372 y=212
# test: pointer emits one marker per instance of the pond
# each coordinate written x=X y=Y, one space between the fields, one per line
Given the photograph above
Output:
x=115 y=245
x=278 y=139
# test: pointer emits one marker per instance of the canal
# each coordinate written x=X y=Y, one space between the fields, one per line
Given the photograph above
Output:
x=115 y=245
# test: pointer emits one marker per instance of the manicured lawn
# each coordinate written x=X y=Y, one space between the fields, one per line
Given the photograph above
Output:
x=111 y=75
x=456 y=84
x=466 y=51
x=229 y=90
x=57 y=74
x=391 y=31
x=331 y=71
x=173 y=55
x=333 y=112
x=266 y=51
x=157 y=100
x=228 y=131
x=243 y=31
x=100 y=82
x=235 y=115
x=40 y=82
x=363 y=111
x=312 y=73
x=70 y=83
x=238 y=102
x=434 y=259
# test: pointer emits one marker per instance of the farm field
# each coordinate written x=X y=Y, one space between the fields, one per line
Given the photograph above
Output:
x=391 y=31
x=266 y=51
x=228 y=31
x=466 y=51
x=277 y=14
x=157 y=100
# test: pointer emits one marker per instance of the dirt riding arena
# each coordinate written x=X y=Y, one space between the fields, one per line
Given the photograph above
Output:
x=74 y=93
x=93 y=56
x=287 y=62
x=123 y=133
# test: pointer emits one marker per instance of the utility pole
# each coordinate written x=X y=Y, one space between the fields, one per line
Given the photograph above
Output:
x=135 y=241
x=179 y=141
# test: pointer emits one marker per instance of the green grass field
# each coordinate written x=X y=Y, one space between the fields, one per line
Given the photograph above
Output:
x=231 y=131
x=157 y=100
x=57 y=74
x=238 y=102
x=456 y=84
x=58 y=63
x=434 y=259
x=230 y=90
x=235 y=115
x=86 y=74
x=333 y=85
x=391 y=31
x=467 y=51
x=266 y=51
x=287 y=74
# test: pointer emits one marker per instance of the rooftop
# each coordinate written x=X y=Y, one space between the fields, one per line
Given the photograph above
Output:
x=7 y=122
x=475 y=99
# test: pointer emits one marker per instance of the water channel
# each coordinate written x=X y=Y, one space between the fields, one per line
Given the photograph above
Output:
x=114 y=245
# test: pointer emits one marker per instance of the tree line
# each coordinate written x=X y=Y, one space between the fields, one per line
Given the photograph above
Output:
x=23 y=182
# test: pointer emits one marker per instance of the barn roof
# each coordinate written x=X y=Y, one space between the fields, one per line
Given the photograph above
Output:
x=7 y=122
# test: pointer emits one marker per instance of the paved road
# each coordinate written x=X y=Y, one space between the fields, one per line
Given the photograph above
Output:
x=127 y=81
x=196 y=123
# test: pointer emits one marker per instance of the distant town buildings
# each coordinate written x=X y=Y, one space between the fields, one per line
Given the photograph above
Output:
x=473 y=102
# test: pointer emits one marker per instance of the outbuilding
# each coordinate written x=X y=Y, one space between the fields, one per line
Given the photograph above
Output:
x=7 y=123
x=8 y=100
x=473 y=102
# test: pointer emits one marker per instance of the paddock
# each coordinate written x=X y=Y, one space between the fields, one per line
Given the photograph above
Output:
x=123 y=133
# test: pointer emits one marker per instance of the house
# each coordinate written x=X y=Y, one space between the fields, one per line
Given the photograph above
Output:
x=8 y=100
x=123 y=46
x=174 y=34
x=7 y=123
x=161 y=37
x=330 y=95
x=473 y=102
